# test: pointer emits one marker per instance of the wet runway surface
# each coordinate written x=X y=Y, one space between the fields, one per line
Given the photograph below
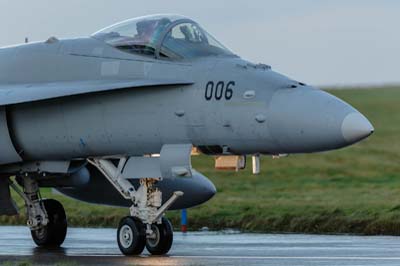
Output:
x=99 y=247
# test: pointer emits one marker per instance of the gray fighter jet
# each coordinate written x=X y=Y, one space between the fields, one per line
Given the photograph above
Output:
x=113 y=118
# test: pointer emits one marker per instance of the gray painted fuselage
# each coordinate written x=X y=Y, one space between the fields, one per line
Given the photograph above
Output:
x=137 y=121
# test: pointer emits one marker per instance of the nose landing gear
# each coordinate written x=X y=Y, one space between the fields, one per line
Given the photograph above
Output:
x=146 y=227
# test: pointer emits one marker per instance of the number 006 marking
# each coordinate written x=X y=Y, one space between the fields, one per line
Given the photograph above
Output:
x=219 y=90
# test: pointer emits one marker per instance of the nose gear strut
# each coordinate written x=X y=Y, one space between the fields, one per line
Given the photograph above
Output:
x=146 y=225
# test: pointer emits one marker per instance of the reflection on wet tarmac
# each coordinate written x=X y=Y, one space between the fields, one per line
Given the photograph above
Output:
x=98 y=247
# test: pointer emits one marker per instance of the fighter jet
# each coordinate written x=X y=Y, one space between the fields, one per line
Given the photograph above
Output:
x=113 y=119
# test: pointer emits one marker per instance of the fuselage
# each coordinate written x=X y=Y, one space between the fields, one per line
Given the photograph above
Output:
x=233 y=106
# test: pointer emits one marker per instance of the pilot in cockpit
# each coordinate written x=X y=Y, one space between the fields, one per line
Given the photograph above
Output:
x=145 y=30
x=149 y=31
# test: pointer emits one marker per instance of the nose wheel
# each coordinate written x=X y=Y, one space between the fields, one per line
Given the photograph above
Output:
x=131 y=237
x=160 y=242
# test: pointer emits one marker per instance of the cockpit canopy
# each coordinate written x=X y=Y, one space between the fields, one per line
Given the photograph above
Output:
x=162 y=36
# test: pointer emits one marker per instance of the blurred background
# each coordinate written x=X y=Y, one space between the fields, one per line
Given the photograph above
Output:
x=324 y=43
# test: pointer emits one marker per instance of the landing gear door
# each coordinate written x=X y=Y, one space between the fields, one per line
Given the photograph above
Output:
x=7 y=204
x=174 y=161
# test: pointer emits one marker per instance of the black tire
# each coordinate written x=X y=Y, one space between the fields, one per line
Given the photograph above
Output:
x=131 y=236
x=54 y=233
x=164 y=238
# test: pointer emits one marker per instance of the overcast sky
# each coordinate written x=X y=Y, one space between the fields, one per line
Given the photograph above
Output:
x=319 y=42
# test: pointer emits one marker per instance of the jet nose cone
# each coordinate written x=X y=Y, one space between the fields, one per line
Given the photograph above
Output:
x=356 y=127
x=311 y=120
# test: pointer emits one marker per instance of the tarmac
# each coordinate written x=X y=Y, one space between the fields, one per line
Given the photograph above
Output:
x=98 y=247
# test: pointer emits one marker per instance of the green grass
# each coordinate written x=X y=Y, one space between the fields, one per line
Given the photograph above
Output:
x=353 y=190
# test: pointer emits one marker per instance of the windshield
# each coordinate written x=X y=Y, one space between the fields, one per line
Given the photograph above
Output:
x=138 y=35
x=189 y=40
x=162 y=35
